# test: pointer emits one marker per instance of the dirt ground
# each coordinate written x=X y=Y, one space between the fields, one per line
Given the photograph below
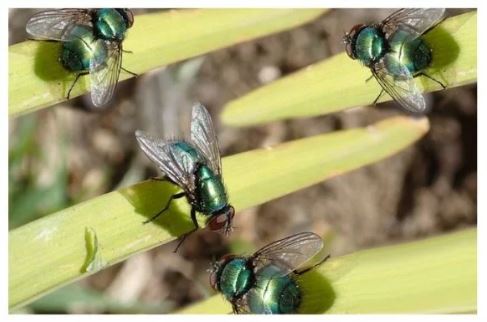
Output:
x=429 y=188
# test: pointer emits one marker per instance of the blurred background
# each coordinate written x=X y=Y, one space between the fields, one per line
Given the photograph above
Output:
x=69 y=153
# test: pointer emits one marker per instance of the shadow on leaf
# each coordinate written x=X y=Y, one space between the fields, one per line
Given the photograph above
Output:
x=445 y=50
x=48 y=67
x=149 y=197
x=317 y=291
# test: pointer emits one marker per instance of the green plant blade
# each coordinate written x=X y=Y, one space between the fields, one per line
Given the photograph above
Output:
x=339 y=82
x=434 y=275
x=56 y=249
x=37 y=80
x=71 y=298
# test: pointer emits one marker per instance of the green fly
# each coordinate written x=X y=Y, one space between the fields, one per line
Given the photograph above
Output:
x=395 y=52
x=91 y=44
x=268 y=281
x=194 y=165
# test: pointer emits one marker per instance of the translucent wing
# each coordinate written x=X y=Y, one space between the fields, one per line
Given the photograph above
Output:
x=241 y=305
x=104 y=75
x=401 y=87
x=52 y=24
x=204 y=137
x=170 y=160
x=416 y=20
x=290 y=253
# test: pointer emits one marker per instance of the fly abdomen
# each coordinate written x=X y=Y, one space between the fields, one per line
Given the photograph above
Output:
x=81 y=48
x=420 y=55
x=210 y=191
x=274 y=293
x=411 y=51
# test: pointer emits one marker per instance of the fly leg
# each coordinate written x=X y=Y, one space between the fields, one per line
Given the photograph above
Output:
x=196 y=226
x=74 y=83
x=125 y=70
x=166 y=207
x=161 y=179
x=129 y=72
x=310 y=268
x=433 y=79
x=381 y=91
x=378 y=96
x=158 y=179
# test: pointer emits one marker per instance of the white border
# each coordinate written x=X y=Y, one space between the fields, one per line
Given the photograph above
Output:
x=245 y=4
x=482 y=160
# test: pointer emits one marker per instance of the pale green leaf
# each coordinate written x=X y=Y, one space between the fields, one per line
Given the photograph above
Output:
x=339 y=82
x=433 y=275
x=37 y=79
x=50 y=252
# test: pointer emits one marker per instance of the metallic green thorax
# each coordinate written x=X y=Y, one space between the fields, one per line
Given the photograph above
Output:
x=410 y=51
x=274 y=293
x=235 y=278
x=370 y=45
x=188 y=152
x=81 y=49
x=109 y=24
x=210 y=192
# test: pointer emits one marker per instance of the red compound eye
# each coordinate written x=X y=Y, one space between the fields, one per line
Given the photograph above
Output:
x=128 y=16
x=222 y=221
x=213 y=280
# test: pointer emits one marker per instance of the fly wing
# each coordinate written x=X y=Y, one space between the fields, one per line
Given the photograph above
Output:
x=291 y=253
x=104 y=75
x=415 y=20
x=171 y=161
x=401 y=87
x=204 y=137
x=52 y=24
